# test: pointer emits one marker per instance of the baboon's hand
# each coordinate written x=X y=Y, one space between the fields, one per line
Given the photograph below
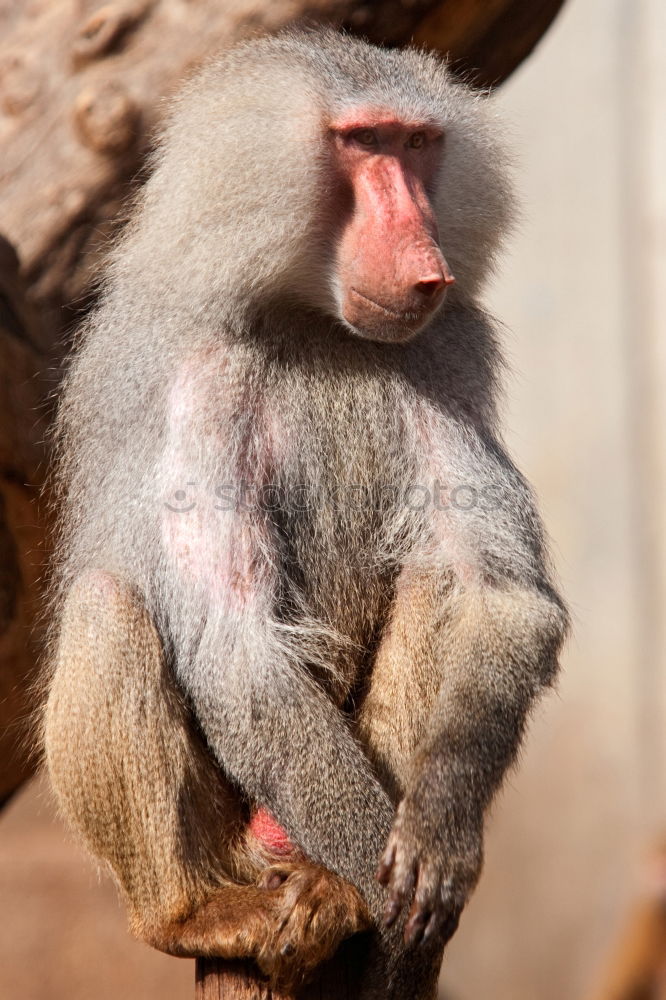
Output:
x=423 y=864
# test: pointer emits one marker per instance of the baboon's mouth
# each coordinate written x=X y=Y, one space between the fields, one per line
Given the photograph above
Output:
x=378 y=305
x=412 y=313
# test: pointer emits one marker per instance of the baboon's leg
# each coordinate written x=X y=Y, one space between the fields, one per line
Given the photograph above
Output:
x=403 y=685
x=392 y=719
x=132 y=775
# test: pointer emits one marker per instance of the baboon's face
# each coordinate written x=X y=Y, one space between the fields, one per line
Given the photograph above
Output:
x=390 y=275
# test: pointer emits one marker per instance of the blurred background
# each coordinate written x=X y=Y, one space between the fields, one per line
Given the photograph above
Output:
x=571 y=866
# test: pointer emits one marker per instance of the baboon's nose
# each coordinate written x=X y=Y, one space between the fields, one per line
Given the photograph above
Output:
x=430 y=287
x=433 y=286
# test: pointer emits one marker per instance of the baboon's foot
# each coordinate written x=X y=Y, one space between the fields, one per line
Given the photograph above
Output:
x=290 y=922
x=317 y=911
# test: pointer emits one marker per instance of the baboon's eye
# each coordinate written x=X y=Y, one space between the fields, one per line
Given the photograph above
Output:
x=364 y=137
x=416 y=140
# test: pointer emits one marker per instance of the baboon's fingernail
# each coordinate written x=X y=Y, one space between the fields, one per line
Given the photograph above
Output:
x=383 y=872
x=414 y=929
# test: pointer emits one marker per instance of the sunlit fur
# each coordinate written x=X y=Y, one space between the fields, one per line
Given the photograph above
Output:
x=216 y=356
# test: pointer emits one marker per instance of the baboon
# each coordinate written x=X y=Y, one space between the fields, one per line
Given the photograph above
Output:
x=304 y=604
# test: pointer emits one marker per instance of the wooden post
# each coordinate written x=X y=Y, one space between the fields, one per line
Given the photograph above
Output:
x=337 y=979
x=217 y=980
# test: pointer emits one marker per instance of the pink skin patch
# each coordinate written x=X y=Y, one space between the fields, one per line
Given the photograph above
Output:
x=269 y=832
x=216 y=549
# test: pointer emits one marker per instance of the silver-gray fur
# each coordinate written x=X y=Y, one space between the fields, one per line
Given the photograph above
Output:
x=348 y=641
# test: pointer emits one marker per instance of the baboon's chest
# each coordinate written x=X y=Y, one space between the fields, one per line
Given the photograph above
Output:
x=338 y=490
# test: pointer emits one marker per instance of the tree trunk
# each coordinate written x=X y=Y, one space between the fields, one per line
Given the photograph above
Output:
x=22 y=524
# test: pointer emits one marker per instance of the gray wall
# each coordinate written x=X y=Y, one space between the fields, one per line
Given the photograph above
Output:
x=583 y=297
